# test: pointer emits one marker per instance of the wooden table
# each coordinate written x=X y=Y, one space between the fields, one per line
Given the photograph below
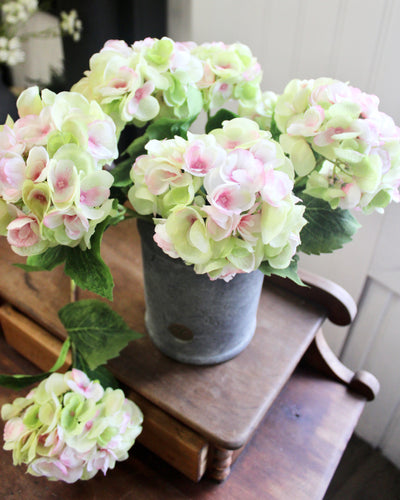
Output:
x=292 y=451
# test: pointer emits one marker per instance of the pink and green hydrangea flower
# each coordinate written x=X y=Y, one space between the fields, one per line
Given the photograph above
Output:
x=137 y=83
x=261 y=110
x=53 y=188
x=240 y=209
x=23 y=235
x=69 y=428
x=339 y=141
x=230 y=72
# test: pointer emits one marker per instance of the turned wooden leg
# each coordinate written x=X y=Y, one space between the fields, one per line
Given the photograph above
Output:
x=320 y=356
x=220 y=464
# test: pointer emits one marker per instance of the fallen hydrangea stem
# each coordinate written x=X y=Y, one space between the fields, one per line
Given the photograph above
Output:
x=69 y=427
x=74 y=292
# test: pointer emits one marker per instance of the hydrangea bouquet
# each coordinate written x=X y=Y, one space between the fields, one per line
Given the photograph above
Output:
x=340 y=153
x=224 y=200
x=344 y=150
x=69 y=428
x=273 y=178
x=54 y=190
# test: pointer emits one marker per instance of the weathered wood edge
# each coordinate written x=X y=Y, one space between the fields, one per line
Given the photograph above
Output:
x=320 y=356
x=31 y=340
x=170 y=440
x=340 y=306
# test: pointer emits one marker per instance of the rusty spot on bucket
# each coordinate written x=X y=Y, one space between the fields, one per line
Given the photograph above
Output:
x=181 y=332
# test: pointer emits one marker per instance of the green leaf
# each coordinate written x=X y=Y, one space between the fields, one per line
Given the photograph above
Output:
x=327 y=229
x=101 y=373
x=46 y=261
x=119 y=194
x=119 y=216
x=136 y=147
x=21 y=381
x=88 y=269
x=219 y=117
x=275 y=132
x=85 y=267
x=163 y=128
x=132 y=214
x=121 y=173
x=168 y=128
x=96 y=331
x=289 y=272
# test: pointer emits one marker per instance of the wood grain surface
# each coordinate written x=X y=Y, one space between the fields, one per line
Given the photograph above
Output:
x=292 y=455
x=223 y=403
x=296 y=446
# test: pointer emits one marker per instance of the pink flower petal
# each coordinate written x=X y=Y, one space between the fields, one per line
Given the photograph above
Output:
x=232 y=199
x=277 y=187
x=23 y=232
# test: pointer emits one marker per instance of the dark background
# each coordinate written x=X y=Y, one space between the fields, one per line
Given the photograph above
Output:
x=104 y=20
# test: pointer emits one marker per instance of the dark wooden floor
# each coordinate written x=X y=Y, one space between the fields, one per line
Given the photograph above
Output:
x=364 y=474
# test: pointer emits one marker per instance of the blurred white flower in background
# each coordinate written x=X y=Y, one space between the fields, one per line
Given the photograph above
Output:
x=71 y=24
x=14 y=17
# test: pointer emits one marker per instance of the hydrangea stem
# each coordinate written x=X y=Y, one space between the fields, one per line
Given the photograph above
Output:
x=74 y=292
x=300 y=182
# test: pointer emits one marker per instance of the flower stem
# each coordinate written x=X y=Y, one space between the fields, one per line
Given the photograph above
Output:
x=74 y=292
x=300 y=182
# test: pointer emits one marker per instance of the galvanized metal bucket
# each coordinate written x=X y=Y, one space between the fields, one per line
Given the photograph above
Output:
x=191 y=318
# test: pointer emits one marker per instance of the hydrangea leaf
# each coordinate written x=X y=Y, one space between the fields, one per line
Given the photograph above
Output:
x=121 y=171
x=275 y=132
x=119 y=193
x=216 y=120
x=96 y=331
x=88 y=269
x=168 y=128
x=136 y=147
x=20 y=381
x=101 y=374
x=326 y=229
x=163 y=128
x=289 y=272
x=118 y=214
x=46 y=261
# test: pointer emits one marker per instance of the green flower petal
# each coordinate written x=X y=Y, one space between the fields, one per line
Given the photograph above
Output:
x=302 y=158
